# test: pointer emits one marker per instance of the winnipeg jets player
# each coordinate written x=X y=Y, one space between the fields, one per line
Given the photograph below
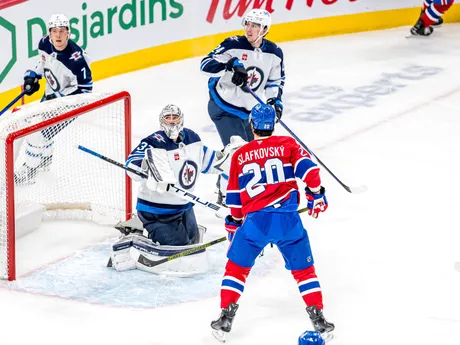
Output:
x=168 y=219
x=263 y=198
x=249 y=60
x=62 y=62
x=65 y=67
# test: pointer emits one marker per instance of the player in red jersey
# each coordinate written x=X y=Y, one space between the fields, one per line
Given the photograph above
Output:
x=263 y=197
x=431 y=16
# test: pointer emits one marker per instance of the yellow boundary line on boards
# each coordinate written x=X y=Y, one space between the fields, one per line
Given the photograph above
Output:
x=201 y=46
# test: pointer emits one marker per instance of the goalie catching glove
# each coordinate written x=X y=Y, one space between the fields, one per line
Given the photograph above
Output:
x=317 y=201
x=156 y=166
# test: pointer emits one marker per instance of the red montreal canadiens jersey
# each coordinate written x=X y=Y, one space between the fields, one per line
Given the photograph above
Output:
x=263 y=172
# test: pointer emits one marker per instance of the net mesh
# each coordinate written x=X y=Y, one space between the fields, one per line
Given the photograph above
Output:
x=52 y=177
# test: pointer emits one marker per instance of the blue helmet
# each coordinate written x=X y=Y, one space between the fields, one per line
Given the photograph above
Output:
x=311 y=338
x=263 y=117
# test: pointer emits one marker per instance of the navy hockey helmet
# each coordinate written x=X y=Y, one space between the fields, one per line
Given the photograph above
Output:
x=263 y=117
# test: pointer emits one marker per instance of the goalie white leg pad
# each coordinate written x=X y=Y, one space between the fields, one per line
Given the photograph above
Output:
x=122 y=260
x=186 y=266
x=126 y=252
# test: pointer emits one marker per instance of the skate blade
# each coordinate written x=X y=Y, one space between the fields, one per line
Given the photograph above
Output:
x=327 y=336
x=220 y=335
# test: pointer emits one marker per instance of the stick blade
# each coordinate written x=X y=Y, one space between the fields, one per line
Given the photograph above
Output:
x=357 y=190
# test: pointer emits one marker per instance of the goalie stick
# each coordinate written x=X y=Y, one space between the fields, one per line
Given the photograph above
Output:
x=152 y=263
x=354 y=190
x=220 y=211
x=109 y=263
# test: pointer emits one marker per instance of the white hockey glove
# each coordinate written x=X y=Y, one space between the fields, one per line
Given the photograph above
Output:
x=222 y=163
x=160 y=174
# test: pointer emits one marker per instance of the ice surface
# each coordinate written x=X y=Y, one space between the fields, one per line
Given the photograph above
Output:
x=379 y=110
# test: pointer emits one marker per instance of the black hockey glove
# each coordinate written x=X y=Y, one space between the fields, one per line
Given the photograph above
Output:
x=278 y=105
x=31 y=84
x=240 y=76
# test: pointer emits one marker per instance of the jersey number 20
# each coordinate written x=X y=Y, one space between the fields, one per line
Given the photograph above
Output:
x=270 y=166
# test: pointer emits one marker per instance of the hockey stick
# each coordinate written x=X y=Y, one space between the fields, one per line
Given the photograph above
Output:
x=354 y=190
x=152 y=263
x=147 y=262
x=13 y=102
x=216 y=209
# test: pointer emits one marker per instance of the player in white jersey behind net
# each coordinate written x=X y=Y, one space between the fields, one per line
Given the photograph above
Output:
x=65 y=67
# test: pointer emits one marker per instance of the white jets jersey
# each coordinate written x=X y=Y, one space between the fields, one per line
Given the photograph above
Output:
x=188 y=159
x=265 y=69
x=66 y=72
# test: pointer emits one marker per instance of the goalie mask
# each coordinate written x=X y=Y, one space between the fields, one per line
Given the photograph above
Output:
x=171 y=121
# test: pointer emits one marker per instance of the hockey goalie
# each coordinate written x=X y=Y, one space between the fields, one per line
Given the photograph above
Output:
x=165 y=223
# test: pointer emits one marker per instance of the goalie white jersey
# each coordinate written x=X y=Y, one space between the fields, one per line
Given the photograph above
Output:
x=187 y=159
x=265 y=69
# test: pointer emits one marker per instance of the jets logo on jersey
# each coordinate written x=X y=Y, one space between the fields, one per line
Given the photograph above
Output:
x=159 y=138
x=75 y=56
x=187 y=175
x=255 y=77
x=52 y=80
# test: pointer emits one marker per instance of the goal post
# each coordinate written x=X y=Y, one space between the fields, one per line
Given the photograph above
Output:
x=45 y=176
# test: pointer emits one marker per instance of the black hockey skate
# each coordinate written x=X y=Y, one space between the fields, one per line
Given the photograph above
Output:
x=319 y=322
x=438 y=23
x=420 y=29
x=223 y=325
x=25 y=176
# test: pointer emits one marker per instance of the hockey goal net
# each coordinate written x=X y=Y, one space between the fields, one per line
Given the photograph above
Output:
x=45 y=175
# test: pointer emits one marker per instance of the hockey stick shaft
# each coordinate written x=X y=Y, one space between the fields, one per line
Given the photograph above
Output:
x=349 y=189
x=13 y=102
x=218 y=210
x=152 y=263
